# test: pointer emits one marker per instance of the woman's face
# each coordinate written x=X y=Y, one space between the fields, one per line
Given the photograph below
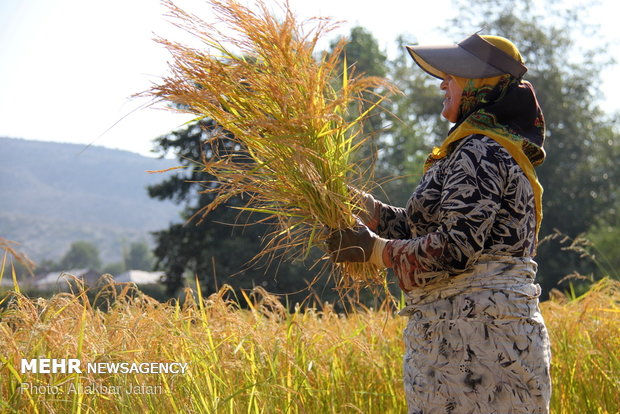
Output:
x=452 y=100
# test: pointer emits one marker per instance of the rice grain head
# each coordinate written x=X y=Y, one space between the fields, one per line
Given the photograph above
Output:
x=289 y=113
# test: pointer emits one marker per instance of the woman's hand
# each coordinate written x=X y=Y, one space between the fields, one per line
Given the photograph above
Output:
x=369 y=208
x=356 y=244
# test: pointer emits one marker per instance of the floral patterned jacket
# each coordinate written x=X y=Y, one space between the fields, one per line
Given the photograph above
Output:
x=475 y=201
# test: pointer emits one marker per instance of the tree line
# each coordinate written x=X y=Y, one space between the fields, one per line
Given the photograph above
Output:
x=85 y=255
x=580 y=175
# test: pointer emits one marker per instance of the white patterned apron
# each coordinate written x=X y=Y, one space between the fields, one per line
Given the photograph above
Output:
x=477 y=343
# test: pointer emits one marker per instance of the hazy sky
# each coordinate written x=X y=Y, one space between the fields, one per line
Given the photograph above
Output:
x=69 y=67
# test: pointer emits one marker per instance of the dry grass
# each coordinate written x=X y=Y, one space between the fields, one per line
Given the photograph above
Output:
x=585 y=339
x=11 y=250
x=290 y=113
x=259 y=360
x=267 y=360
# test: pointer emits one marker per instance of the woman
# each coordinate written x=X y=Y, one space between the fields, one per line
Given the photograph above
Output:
x=462 y=248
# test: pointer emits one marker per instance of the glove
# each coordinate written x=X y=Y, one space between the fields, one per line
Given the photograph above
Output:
x=356 y=244
x=370 y=208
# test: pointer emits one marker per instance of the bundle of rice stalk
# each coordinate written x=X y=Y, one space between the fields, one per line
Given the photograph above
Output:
x=289 y=112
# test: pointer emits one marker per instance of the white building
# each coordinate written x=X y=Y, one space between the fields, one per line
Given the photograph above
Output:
x=139 y=277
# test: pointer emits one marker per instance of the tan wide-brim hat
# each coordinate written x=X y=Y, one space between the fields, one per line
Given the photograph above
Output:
x=472 y=58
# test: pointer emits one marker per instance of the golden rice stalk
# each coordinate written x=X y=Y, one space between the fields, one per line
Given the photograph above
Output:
x=288 y=111
x=9 y=248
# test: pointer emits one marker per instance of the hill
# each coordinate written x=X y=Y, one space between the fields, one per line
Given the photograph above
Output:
x=53 y=194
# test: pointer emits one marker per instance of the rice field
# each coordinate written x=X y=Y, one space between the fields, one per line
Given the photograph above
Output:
x=263 y=358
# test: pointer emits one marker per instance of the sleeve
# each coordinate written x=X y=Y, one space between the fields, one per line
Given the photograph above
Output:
x=393 y=222
x=470 y=199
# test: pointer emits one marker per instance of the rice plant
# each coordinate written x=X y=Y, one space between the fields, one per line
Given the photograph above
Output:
x=261 y=360
x=289 y=112
x=264 y=359
x=585 y=345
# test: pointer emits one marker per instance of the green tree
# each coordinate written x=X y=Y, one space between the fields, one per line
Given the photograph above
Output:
x=115 y=268
x=139 y=257
x=81 y=254
x=47 y=265
x=363 y=56
x=605 y=246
